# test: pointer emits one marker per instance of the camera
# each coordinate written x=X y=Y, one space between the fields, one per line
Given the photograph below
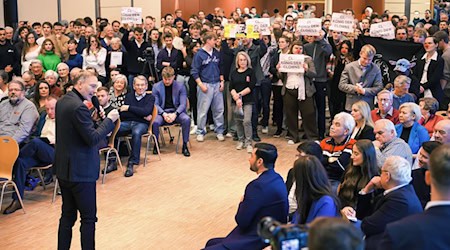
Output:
x=282 y=236
x=148 y=55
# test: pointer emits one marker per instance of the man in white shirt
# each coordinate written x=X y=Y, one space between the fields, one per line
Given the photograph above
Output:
x=409 y=233
x=39 y=152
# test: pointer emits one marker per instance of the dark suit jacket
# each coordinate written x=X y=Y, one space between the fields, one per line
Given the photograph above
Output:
x=264 y=196
x=389 y=208
x=76 y=155
x=434 y=75
x=366 y=133
x=428 y=230
x=179 y=96
x=420 y=187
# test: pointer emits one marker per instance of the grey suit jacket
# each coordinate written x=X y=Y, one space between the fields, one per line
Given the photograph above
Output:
x=371 y=81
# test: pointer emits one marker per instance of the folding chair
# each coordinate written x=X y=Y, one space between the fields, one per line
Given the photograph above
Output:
x=39 y=171
x=110 y=148
x=9 y=151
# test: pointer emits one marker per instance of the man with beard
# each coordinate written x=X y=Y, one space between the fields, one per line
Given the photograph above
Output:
x=264 y=196
x=17 y=114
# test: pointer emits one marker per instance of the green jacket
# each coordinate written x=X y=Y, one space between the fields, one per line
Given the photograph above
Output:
x=49 y=61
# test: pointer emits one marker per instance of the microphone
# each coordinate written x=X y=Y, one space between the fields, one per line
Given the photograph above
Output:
x=97 y=106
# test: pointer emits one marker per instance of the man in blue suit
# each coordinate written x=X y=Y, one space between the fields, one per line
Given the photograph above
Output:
x=428 y=230
x=171 y=99
x=264 y=196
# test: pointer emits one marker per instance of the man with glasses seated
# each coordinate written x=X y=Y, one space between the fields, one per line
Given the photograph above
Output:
x=135 y=115
x=28 y=78
x=388 y=144
x=385 y=108
x=171 y=99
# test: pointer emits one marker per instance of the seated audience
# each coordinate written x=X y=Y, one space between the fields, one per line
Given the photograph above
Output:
x=363 y=119
x=17 y=114
x=418 y=175
x=427 y=230
x=428 y=108
x=30 y=82
x=42 y=92
x=63 y=72
x=315 y=197
x=135 y=115
x=442 y=132
x=385 y=109
x=38 y=152
x=264 y=196
x=334 y=233
x=337 y=148
x=400 y=93
x=396 y=202
x=3 y=84
x=51 y=77
x=37 y=69
x=387 y=144
x=409 y=129
x=362 y=168
x=170 y=100
x=118 y=90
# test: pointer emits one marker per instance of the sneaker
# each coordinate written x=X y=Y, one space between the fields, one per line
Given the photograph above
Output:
x=278 y=133
x=240 y=145
x=200 y=138
x=249 y=149
x=193 y=130
x=229 y=135
x=291 y=142
x=220 y=137
x=265 y=130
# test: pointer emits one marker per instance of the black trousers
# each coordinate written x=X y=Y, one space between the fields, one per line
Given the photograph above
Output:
x=277 y=106
x=320 y=96
x=82 y=197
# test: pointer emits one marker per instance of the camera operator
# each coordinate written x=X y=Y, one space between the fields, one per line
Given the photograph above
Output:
x=134 y=43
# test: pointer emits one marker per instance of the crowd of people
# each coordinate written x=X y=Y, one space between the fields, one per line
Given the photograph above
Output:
x=374 y=157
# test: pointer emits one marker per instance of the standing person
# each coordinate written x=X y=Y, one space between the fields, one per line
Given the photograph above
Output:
x=95 y=56
x=242 y=83
x=320 y=50
x=30 y=51
x=10 y=57
x=361 y=79
x=77 y=161
x=205 y=70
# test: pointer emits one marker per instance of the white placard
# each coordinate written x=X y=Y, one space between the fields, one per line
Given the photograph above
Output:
x=116 y=58
x=342 y=22
x=292 y=63
x=131 y=15
x=384 y=30
x=260 y=25
x=309 y=26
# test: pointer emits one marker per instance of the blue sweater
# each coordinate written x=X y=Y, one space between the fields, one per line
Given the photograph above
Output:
x=138 y=109
x=323 y=207
x=206 y=66
x=75 y=61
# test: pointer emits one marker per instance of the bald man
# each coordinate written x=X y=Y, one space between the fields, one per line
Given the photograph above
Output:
x=442 y=132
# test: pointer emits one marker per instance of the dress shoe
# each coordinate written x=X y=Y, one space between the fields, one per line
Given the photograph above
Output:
x=155 y=150
x=129 y=171
x=256 y=138
x=112 y=166
x=185 y=151
x=15 y=205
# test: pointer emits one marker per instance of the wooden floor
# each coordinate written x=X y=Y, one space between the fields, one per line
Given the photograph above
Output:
x=175 y=203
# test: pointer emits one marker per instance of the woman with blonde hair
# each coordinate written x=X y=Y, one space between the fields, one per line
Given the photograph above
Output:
x=363 y=119
x=409 y=128
x=118 y=90
x=242 y=83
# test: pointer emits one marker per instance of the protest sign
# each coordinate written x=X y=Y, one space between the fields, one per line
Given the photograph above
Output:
x=342 y=22
x=292 y=63
x=309 y=26
x=131 y=15
x=384 y=30
x=257 y=26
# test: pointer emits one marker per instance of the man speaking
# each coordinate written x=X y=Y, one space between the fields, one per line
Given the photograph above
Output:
x=77 y=161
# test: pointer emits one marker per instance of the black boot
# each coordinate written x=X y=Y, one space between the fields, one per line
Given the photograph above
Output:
x=112 y=166
x=185 y=150
x=129 y=171
x=155 y=149
x=14 y=206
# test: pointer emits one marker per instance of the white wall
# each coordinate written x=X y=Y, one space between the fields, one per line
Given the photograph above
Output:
x=37 y=11
x=73 y=9
x=2 y=15
x=397 y=7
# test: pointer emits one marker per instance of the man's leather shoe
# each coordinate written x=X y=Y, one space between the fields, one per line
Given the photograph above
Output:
x=256 y=138
x=155 y=150
x=185 y=151
x=129 y=171
x=112 y=166
x=14 y=206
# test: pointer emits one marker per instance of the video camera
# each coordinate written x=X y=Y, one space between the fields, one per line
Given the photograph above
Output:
x=283 y=236
x=148 y=55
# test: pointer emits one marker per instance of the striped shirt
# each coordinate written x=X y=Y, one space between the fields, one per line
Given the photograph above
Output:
x=336 y=156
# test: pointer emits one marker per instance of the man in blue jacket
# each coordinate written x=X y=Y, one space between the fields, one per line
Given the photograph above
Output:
x=264 y=196
x=77 y=161
x=206 y=73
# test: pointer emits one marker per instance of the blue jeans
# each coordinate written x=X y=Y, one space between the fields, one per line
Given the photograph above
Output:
x=137 y=129
x=212 y=98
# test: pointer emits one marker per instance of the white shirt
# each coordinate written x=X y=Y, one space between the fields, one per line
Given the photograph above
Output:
x=394 y=188
x=437 y=203
x=48 y=130
x=95 y=61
